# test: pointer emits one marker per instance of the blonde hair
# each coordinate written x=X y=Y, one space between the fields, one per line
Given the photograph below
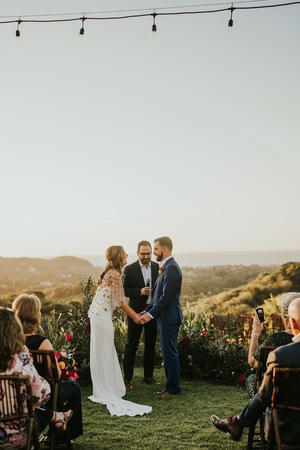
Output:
x=12 y=337
x=114 y=255
x=28 y=307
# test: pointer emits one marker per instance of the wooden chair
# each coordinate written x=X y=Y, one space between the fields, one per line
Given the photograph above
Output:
x=46 y=365
x=285 y=403
x=256 y=438
x=14 y=405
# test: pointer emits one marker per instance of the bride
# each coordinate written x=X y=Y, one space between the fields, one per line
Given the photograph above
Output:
x=108 y=384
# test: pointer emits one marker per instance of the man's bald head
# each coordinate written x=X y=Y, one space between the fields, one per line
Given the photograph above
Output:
x=294 y=315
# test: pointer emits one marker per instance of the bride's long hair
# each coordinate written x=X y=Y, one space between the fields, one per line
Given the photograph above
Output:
x=115 y=256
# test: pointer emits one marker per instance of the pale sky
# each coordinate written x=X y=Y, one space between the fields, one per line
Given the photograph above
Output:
x=119 y=137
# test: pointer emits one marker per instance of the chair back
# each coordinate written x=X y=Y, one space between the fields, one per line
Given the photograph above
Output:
x=46 y=365
x=16 y=405
x=262 y=364
x=285 y=400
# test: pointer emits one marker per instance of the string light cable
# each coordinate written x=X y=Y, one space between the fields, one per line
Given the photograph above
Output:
x=139 y=13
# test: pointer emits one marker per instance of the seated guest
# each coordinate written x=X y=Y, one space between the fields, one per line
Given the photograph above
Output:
x=28 y=309
x=272 y=340
x=15 y=360
x=285 y=356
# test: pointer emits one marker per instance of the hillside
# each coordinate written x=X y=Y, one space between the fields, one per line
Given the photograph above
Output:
x=45 y=275
x=285 y=279
x=227 y=288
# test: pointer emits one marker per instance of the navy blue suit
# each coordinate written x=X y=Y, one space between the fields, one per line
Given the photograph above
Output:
x=166 y=309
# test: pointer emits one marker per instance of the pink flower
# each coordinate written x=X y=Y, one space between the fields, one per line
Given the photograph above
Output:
x=204 y=333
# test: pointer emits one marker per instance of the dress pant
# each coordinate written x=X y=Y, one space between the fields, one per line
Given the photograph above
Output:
x=168 y=334
x=134 y=334
x=71 y=396
x=252 y=412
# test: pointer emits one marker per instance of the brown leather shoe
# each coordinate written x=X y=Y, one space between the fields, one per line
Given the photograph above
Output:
x=128 y=384
x=168 y=395
x=150 y=380
x=160 y=393
x=231 y=426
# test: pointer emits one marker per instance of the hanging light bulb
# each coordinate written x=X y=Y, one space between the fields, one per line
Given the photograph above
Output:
x=230 y=21
x=154 y=28
x=81 y=31
x=18 y=34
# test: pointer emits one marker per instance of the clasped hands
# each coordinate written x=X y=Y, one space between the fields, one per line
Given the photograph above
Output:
x=142 y=318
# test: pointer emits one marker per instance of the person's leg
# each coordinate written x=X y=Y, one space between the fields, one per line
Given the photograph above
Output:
x=252 y=411
x=71 y=396
x=150 y=330
x=234 y=426
x=168 y=338
x=134 y=334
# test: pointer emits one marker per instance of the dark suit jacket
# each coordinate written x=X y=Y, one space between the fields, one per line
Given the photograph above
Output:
x=286 y=356
x=165 y=307
x=134 y=282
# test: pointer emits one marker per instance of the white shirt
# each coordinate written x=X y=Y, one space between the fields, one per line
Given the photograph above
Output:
x=146 y=271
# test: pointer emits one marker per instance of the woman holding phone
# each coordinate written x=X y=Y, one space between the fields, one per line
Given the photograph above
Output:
x=273 y=339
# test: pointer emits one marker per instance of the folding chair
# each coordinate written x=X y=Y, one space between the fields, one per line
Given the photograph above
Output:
x=285 y=404
x=46 y=365
x=16 y=405
x=256 y=438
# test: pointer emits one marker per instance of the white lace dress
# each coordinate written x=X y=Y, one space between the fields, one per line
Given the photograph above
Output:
x=107 y=379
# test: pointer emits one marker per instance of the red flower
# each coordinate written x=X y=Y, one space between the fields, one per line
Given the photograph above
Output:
x=69 y=337
x=241 y=379
x=88 y=327
x=204 y=333
x=185 y=340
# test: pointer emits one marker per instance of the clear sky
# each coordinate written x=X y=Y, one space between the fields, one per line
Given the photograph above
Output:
x=119 y=137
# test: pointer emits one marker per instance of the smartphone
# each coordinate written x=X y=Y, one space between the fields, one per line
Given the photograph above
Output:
x=260 y=313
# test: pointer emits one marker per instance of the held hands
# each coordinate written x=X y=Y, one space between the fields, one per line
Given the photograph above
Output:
x=143 y=318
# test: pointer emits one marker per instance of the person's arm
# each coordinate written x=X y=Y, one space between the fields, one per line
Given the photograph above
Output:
x=129 y=311
x=257 y=327
x=46 y=345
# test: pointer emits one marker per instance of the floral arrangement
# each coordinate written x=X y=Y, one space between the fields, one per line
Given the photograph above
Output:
x=68 y=366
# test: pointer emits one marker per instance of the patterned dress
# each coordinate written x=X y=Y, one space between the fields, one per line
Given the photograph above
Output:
x=13 y=434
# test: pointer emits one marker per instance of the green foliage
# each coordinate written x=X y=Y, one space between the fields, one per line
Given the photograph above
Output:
x=70 y=331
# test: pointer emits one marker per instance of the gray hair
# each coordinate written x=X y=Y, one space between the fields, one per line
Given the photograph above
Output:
x=284 y=301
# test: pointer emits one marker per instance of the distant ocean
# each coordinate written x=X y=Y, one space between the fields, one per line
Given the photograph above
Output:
x=206 y=259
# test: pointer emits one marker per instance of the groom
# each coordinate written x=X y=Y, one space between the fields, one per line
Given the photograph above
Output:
x=166 y=309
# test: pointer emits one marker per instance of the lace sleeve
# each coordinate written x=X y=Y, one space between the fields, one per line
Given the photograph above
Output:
x=115 y=279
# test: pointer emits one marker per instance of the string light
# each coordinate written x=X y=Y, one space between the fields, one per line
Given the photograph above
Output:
x=154 y=28
x=230 y=21
x=18 y=34
x=170 y=11
x=81 y=31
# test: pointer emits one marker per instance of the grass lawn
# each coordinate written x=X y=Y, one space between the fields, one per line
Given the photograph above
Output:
x=177 y=423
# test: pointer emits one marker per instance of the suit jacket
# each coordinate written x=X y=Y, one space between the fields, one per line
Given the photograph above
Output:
x=286 y=356
x=165 y=307
x=134 y=282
